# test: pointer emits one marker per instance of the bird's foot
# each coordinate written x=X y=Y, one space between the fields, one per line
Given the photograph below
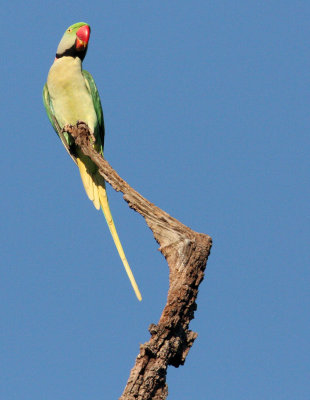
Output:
x=84 y=125
x=67 y=128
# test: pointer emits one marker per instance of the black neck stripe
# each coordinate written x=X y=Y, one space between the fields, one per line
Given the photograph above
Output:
x=73 y=52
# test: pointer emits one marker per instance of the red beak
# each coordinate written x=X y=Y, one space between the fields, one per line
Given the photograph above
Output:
x=82 y=37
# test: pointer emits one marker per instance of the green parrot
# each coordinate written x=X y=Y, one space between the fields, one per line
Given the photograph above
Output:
x=70 y=95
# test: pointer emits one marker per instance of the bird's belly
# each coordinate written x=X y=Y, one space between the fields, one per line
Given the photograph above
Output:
x=74 y=108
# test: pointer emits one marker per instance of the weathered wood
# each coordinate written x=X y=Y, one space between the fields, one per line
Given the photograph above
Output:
x=186 y=252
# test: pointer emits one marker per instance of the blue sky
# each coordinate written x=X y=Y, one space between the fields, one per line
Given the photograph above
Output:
x=207 y=114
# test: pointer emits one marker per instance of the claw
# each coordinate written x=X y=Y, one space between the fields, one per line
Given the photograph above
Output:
x=66 y=127
x=91 y=134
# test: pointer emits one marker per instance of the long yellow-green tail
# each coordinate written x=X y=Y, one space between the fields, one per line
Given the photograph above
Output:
x=94 y=185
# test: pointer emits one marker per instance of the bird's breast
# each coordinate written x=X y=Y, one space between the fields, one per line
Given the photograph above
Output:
x=69 y=94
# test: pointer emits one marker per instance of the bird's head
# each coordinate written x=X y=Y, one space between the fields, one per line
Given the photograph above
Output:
x=74 y=41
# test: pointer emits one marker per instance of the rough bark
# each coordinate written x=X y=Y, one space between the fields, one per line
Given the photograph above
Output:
x=186 y=252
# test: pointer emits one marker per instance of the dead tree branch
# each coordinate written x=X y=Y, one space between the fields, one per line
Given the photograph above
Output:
x=186 y=252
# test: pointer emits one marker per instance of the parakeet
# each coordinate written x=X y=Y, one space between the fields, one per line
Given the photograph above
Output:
x=70 y=95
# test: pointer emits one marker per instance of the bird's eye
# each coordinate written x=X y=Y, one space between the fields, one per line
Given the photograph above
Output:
x=69 y=30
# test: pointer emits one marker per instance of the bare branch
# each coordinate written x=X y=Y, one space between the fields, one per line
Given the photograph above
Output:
x=186 y=252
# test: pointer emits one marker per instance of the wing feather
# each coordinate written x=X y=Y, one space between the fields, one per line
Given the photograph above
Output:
x=99 y=129
x=51 y=116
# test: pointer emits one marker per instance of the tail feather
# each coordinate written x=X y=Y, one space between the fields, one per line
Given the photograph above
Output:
x=95 y=188
x=108 y=216
x=89 y=184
